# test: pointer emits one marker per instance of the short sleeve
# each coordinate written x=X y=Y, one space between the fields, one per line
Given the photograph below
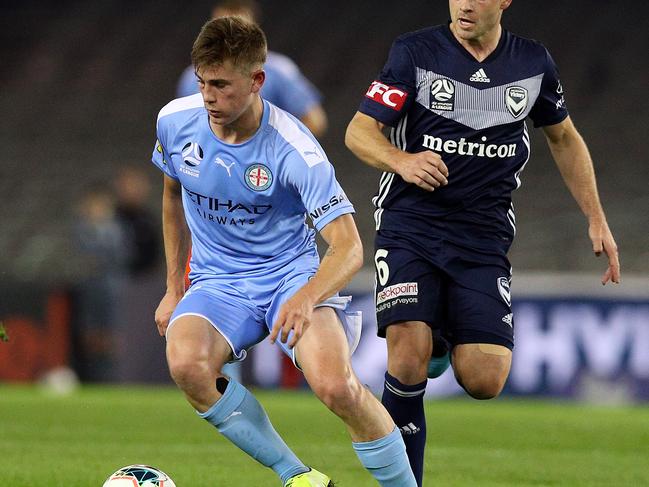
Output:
x=550 y=107
x=390 y=96
x=320 y=193
x=161 y=156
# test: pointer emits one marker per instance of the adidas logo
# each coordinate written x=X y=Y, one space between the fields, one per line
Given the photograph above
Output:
x=508 y=318
x=409 y=429
x=480 y=76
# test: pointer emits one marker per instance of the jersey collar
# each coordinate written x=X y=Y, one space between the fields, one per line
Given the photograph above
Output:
x=496 y=52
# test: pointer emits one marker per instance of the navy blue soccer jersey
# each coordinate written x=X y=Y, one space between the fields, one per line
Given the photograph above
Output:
x=436 y=96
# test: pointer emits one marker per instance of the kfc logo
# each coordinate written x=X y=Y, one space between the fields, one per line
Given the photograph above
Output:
x=387 y=95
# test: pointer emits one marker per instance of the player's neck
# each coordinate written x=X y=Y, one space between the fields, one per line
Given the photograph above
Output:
x=480 y=47
x=244 y=127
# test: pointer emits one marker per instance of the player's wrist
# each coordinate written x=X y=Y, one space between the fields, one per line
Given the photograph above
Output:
x=175 y=290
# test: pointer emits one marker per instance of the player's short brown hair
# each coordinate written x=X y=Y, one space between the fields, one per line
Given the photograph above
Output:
x=231 y=39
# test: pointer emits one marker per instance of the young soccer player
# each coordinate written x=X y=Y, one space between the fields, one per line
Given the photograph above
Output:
x=240 y=176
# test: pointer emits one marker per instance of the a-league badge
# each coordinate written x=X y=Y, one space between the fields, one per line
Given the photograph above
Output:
x=442 y=95
x=516 y=100
x=258 y=177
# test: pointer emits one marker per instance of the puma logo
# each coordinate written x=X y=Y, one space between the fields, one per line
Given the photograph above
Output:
x=227 y=167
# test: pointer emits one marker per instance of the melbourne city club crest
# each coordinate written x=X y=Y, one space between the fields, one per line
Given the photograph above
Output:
x=258 y=177
x=516 y=100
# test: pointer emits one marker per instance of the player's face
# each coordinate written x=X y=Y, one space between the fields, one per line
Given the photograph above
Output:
x=472 y=20
x=227 y=91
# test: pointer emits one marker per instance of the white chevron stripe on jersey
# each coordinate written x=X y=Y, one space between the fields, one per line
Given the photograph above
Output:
x=511 y=216
x=398 y=139
x=477 y=108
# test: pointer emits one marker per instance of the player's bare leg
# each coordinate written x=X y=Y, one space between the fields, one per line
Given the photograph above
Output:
x=196 y=351
x=481 y=368
x=410 y=344
x=195 y=354
x=323 y=355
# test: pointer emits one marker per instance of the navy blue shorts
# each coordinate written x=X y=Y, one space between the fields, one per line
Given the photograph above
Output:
x=461 y=293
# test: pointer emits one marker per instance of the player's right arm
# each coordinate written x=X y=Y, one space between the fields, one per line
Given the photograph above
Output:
x=177 y=244
x=364 y=137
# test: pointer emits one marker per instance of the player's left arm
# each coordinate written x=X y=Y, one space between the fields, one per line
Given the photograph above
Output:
x=342 y=260
x=576 y=166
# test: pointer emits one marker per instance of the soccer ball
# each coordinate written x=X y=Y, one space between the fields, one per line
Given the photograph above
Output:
x=139 y=476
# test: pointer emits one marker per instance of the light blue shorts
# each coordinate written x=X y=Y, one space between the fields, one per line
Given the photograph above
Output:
x=244 y=310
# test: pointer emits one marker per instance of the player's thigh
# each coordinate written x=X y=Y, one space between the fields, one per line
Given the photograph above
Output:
x=481 y=328
x=347 y=322
x=323 y=351
x=482 y=368
x=193 y=341
x=323 y=355
x=231 y=323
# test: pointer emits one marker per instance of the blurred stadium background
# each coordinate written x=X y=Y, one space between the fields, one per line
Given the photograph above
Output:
x=80 y=87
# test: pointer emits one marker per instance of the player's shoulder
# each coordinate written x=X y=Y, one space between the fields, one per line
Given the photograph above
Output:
x=182 y=108
x=293 y=139
x=525 y=46
x=426 y=35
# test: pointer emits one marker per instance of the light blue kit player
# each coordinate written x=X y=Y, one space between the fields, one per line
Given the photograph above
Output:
x=240 y=177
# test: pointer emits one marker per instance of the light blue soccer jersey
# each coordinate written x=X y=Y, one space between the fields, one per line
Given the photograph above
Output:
x=245 y=204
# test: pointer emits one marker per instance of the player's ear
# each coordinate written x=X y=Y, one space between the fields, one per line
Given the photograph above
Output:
x=258 y=79
x=505 y=4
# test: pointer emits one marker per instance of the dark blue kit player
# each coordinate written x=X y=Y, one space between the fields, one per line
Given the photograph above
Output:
x=455 y=98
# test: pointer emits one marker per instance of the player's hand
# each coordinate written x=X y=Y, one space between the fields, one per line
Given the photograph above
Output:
x=424 y=169
x=295 y=314
x=165 y=309
x=603 y=241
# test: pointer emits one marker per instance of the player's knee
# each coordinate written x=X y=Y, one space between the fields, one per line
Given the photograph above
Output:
x=409 y=368
x=187 y=371
x=340 y=395
x=482 y=381
x=409 y=350
x=483 y=387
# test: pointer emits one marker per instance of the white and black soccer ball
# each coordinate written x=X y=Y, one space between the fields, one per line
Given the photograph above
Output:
x=192 y=154
x=139 y=476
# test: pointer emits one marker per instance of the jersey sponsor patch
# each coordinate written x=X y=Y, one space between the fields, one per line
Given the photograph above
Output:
x=388 y=96
x=396 y=291
x=321 y=210
x=258 y=177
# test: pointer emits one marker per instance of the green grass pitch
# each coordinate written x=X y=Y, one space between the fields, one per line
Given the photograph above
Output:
x=78 y=440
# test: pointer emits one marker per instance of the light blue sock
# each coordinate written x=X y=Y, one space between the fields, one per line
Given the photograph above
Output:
x=242 y=420
x=386 y=460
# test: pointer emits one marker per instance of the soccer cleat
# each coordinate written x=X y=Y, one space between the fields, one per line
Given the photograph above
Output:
x=440 y=358
x=312 y=478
